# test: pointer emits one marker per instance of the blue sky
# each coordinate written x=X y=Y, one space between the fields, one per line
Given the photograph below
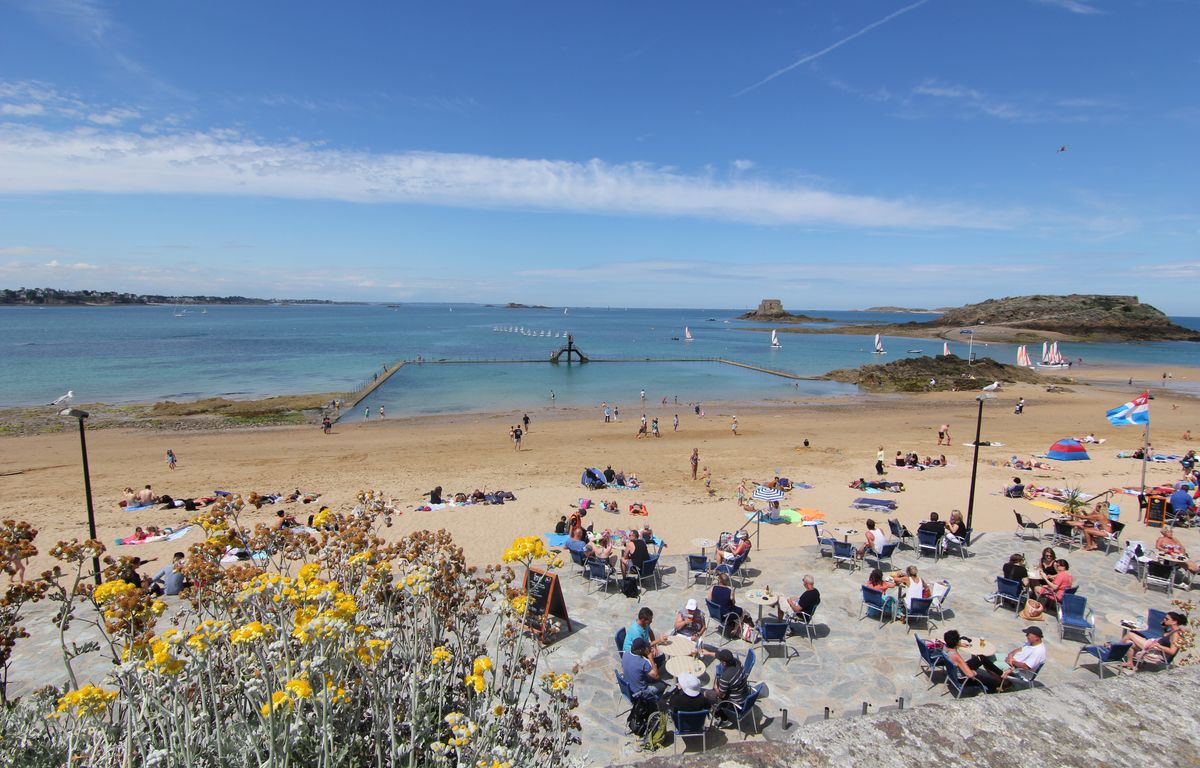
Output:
x=833 y=154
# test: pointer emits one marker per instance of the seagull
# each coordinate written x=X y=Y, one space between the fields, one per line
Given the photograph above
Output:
x=65 y=398
x=1061 y=149
x=992 y=387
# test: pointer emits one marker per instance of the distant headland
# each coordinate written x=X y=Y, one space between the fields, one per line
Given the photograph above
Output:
x=55 y=297
x=1024 y=319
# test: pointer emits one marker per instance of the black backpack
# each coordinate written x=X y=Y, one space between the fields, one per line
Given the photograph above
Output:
x=644 y=707
x=629 y=588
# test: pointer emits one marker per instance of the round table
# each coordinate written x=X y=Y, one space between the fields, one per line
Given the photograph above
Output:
x=846 y=532
x=1122 y=619
x=703 y=544
x=685 y=665
x=760 y=598
x=678 y=645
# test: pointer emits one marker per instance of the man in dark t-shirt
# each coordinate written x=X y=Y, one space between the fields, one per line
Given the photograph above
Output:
x=688 y=696
x=933 y=525
x=807 y=602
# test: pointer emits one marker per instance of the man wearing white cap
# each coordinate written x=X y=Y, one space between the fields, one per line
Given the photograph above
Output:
x=690 y=621
x=688 y=697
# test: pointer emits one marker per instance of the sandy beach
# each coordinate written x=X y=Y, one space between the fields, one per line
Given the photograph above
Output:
x=41 y=480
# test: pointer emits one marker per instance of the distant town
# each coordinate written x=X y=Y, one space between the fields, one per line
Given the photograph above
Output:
x=57 y=297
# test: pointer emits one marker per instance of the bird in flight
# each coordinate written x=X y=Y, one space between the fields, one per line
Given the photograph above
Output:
x=1061 y=149
x=65 y=398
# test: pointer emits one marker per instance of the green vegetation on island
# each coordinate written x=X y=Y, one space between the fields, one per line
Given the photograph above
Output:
x=942 y=373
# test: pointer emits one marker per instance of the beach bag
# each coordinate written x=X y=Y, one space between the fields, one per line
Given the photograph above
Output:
x=629 y=586
x=1032 y=611
x=645 y=705
x=655 y=736
x=749 y=633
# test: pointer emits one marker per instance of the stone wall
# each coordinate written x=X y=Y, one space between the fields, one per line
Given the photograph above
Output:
x=770 y=307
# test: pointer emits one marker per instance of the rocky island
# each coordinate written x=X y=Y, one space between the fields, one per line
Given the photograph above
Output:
x=941 y=373
x=772 y=311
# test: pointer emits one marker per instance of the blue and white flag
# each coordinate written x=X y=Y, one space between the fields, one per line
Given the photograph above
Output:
x=1136 y=411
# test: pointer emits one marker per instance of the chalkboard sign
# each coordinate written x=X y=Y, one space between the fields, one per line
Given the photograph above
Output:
x=545 y=600
x=1156 y=510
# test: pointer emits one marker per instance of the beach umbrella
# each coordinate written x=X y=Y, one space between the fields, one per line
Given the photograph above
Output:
x=763 y=493
x=1067 y=450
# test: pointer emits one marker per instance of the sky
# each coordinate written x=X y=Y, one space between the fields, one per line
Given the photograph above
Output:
x=834 y=154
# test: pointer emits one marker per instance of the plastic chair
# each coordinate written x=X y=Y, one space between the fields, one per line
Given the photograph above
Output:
x=928 y=541
x=620 y=640
x=626 y=691
x=649 y=570
x=699 y=565
x=599 y=572
x=929 y=662
x=843 y=554
x=918 y=610
x=1106 y=655
x=873 y=601
x=804 y=623
x=1009 y=591
x=899 y=532
x=956 y=682
x=962 y=546
x=720 y=617
x=1024 y=527
x=773 y=634
x=884 y=556
x=689 y=725
x=578 y=558
x=739 y=714
x=1159 y=574
x=939 y=594
x=1075 y=616
x=733 y=569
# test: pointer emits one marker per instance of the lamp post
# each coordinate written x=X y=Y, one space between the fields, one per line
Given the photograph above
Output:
x=75 y=413
x=975 y=461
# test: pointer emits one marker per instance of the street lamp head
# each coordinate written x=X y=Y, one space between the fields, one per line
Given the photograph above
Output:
x=985 y=397
x=73 y=413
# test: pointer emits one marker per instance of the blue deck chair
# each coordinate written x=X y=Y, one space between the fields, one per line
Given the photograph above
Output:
x=1075 y=616
x=918 y=610
x=739 y=714
x=843 y=554
x=929 y=542
x=689 y=725
x=1108 y=655
x=626 y=691
x=1024 y=678
x=801 y=622
x=773 y=634
x=1009 y=591
x=958 y=683
x=873 y=606
x=824 y=543
x=929 y=662
x=649 y=570
x=1154 y=620
x=719 y=618
x=578 y=558
x=699 y=565
x=599 y=572
x=884 y=556
x=620 y=640
x=899 y=532
x=748 y=663
x=963 y=546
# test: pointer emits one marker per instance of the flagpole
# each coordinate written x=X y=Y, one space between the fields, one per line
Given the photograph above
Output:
x=1145 y=455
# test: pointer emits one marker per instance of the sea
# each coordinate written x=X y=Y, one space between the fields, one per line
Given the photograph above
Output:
x=137 y=354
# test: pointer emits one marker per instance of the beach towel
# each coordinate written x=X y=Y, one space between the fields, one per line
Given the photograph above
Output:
x=556 y=539
x=1056 y=506
x=232 y=559
x=781 y=520
x=138 y=508
x=801 y=486
x=864 y=503
x=872 y=490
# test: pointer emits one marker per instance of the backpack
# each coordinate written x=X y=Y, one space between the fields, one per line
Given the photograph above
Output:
x=657 y=728
x=644 y=706
x=629 y=586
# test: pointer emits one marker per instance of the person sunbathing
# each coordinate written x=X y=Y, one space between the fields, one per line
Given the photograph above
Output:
x=1170 y=546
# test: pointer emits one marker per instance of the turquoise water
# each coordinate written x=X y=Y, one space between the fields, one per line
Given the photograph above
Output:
x=134 y=354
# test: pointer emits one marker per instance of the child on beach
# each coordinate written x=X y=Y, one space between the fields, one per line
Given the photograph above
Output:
x=170 y=459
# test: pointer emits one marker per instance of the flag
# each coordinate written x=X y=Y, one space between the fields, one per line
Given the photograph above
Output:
x=1136 y=411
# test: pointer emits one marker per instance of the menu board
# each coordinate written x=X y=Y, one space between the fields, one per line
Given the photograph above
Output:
x=545 y=599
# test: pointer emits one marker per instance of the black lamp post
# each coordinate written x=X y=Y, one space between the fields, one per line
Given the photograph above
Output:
x=975 y=461
x=75 y=413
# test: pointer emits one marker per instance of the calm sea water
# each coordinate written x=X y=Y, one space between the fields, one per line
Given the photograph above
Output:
x=134 y=354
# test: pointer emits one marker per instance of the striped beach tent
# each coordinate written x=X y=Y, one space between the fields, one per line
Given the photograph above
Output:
x=1067 y=450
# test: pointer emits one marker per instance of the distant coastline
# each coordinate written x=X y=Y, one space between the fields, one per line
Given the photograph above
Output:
x=54 y=297
x=906 y=310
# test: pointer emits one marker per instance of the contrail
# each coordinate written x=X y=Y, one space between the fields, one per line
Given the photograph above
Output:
x=838 y=44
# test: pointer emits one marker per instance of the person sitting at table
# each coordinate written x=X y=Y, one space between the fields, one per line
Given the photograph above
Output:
x=1060 y=582
x=730 y=683
x=689 y=696
x=634 y=555
x=640 y=629
x=1047 y=568
x=723 y=595
x=1101 y=528
x=956 y=528
x=1159 y=650
x=577 y=542
x=1016 y=490
x=690 y=621
x=601 y=549
x=911 y=585
x=1014 y=569
x=807 y=602
x=1031 y=655
x=1170 y=546
x=933 y=525
x=641 y=670
x=876 y=582
x=874 y=539
x=952 y=653
x=737 y=547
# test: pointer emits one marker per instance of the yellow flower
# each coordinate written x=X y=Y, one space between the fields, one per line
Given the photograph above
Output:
x=498 y=710
x=309 y=571
x=519 y=603
x=439 y=655
x=321 y=518
x=482 y=664
x=361 y=557
x=110 y=590
x=299 y=688
x=475 y=681
x=161 y=659
x=280 y=704
x=87 y=701
x=252 y=631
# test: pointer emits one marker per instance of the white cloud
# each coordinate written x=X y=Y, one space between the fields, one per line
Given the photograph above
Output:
x=100 y=160
x=1082 y=7
x=79 y=265
x=27 y=250
x=971 y=102
x=114 y=116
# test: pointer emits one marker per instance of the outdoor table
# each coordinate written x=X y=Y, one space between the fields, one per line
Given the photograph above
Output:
x=846 y=532
x=1125 y=621
x=685 y=665
x=704 y=544
x=760 y=598
x=678 y=645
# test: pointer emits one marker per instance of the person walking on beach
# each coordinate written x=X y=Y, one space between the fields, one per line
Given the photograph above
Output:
x=695 y=462
x=552 y=395
x=944 y=434
x=879 y=470
x=326 y=425
x=381 y=413
x=170 y=459
x=675 y=423
x=644 y=394
x=516 y=435
x=733 y=426
x=654 y=427
x=616 y=413
x=366 y=413
x=525 y=420
x=607 y=413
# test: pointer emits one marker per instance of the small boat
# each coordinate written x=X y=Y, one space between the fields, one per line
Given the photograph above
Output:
x=775 y=341
x=1023 y=357
x=687 y=334
x=204 y=311
x=674 y=338
x=879 y=350
x=915 y=351
x=712 y=319
x=564 y=310
x=945 y=349
x=1052 y=357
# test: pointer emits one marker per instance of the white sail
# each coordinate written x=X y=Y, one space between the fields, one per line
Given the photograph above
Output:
x=775 y=340
x=945 y=349
x=687 y=333
x=564 y=310
x=879 y=346
x=1045 y=352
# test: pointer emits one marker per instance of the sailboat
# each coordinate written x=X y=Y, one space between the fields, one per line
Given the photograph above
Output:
x=1053 y=358
x=179 y=312
x=1023 y=357
x=879 y=350
x=945 y=349
x=775 y=341
x=564 y=310
x=204 y=311
x=687 y=334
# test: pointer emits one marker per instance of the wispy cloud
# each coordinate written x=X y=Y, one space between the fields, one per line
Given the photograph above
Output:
x=39 y=159
x=1074 y=6
x=27 y=250
x=814 y=56
x=971 y=102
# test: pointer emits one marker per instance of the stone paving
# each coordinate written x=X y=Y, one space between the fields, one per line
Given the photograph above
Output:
x=852 y=661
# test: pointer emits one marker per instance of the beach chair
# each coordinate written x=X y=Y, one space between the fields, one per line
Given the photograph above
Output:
x=578 y=558
x=739 y=714
x=872 y=602
x=1024 y=678
x=844 y=554
x=930 y=660
x=1113 y=539
x=899 y=532
x=748 y=662
x=963 y=546
x=883 y=556
x=649 y=570
x=625 y=690
x=918 y=610
x=824 y=543
x=929 y=542
x=1075 y=616
x=1154 y=620
x=801 y=622
x=733 y=569
x=1009 y=591
x=689 y=725
x=1159 y=574
x=699 y=565
x=1107 y=655
x=720 y=618
x=619 y=637
x=939 y=593
x=1026 y=526
x=958 y=683
x=1065 y=535
x=599 y=572
x=773 y=633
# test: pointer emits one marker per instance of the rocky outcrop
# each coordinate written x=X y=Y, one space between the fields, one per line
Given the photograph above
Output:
x=915 y=374
x=1083 y=316
x=772 y=311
